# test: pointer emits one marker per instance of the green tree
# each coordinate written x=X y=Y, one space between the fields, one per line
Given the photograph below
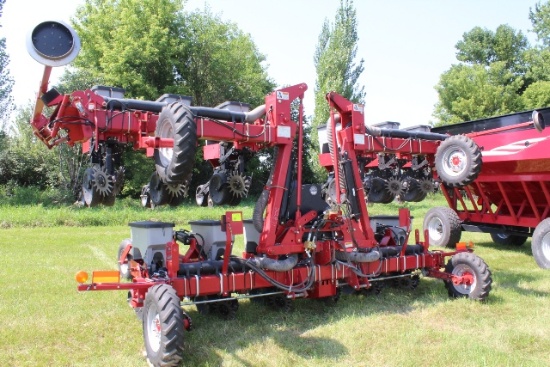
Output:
x=490 y=78
x=6 y=81
x=336 y=67
x=335 y=63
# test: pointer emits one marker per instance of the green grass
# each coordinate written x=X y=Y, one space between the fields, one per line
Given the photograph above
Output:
x=45 y=322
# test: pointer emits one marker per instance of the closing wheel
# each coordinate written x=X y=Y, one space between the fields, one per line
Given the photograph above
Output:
x=124 y=269
x=158 y=191
x=508 y=239
x=475 y=277
x=92 y=197
x=163 y=326
x=144 y=197
x=443 y=225
x=540 y=244
x=458 y=161
x=175 y=165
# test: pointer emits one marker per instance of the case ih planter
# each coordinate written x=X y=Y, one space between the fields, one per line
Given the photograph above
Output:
x=510 y=199
x=297 y=244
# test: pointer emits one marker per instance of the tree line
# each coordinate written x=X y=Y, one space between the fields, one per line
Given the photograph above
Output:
x=152 y=47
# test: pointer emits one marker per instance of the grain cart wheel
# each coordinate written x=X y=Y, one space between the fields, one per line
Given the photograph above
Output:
x=124 y=269
x=475 y=273
x=175 y=165
x=458 y=161
x=443 y=225
x=540 y=244
x=163 y=326
x=158 y=192
x=508 y=239
x=91 y=196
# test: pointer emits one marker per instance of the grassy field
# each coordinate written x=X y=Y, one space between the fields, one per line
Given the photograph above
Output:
x=45 y=322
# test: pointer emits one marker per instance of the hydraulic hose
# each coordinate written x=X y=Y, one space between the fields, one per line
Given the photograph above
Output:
x=358 y=257
x=275 y=265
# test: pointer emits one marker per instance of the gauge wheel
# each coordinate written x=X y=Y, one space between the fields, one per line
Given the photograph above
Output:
x=90 y=195
x=163 y=326
x=475 y=273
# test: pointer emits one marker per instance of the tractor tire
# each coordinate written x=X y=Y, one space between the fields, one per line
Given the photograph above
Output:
x=175 y=165
x=508 y=239
x=468 y=263
x=90 y=195
x=540 y=244
x=124 y=269
x=444 y=227
x=158 y=191
x=163 y=326
x=458 y=161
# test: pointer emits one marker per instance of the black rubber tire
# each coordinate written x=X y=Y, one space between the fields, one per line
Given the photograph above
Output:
x=468 y=165
x=219 y=191
x=176 y=121
x=163 y=326
x=125 y=268
x=444 y=227
x=157 y=191
x=90 y=196
x=414 y=192
x=378 y=192
x=508 y=239
x=176 y=200
x=468 y=262
x=540 y=244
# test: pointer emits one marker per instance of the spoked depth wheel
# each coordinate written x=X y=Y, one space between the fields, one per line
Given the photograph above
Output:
x=444 y=226
x=163 y=326
x=475 y=274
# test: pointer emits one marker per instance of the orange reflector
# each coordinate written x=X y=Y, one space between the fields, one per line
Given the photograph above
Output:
x=106 y=276
x=463 y=246
x=81 y=277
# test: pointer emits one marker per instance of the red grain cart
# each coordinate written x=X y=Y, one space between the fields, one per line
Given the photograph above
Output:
x=510 y=199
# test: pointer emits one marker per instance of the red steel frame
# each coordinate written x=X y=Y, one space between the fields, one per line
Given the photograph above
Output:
x=287 y=238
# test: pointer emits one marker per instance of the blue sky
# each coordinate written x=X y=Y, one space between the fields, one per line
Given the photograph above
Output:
x=406 y=44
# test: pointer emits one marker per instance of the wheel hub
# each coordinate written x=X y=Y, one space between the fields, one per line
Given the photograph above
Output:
x=455 y=162
x=464 y=279
x=435 y=229
x=154 y=331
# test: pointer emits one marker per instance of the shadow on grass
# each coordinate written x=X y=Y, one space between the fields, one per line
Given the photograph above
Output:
x=258 y=327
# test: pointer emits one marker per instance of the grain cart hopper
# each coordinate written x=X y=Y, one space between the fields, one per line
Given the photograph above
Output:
x=104 y=122
x=510 y=199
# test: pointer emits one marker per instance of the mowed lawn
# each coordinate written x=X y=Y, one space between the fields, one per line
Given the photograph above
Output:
x=44 y=321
